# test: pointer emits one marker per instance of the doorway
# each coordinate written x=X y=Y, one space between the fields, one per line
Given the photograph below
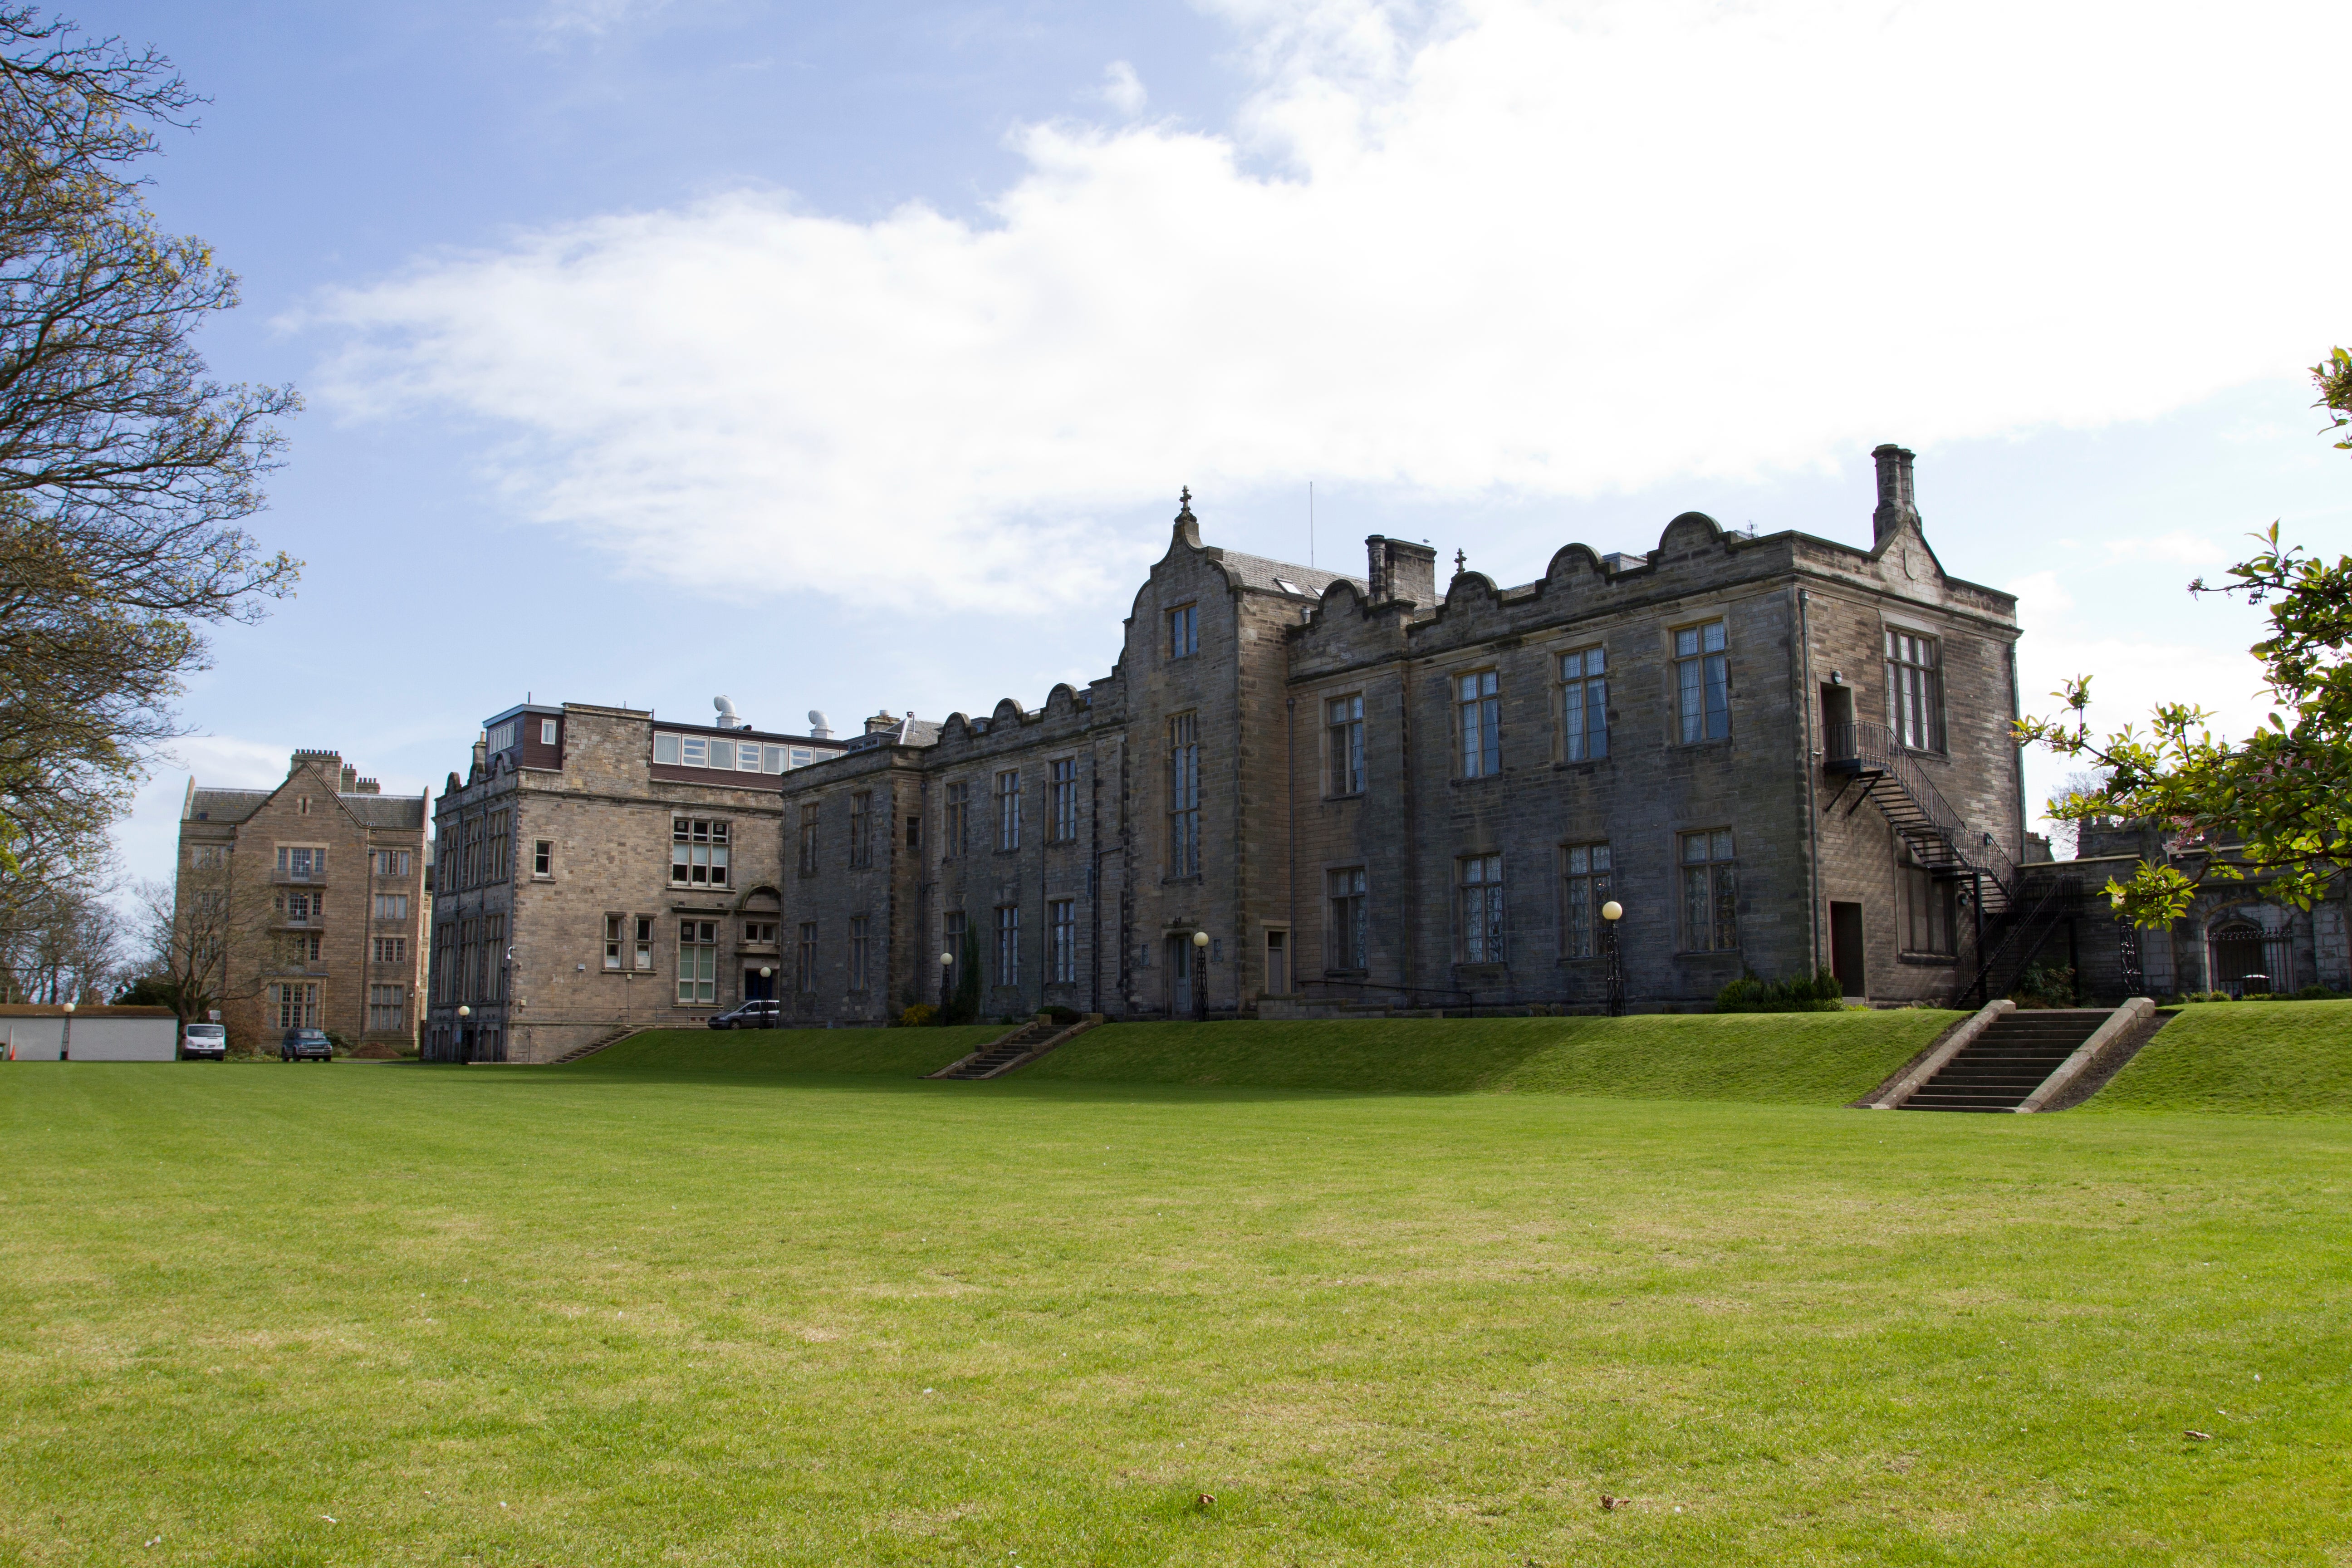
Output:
x=1837 y=722
x=760 y=984
x=1277 y=963
x=1846 y=949
x=1179 y=975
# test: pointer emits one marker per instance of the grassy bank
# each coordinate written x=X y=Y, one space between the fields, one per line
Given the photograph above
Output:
x=1819 y=1058
x=377 y=1315
x=889 y=1053
x=2242 y=1056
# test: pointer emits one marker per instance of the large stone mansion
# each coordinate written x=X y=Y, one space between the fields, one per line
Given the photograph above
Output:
x=303 y=905
x=1775 y=754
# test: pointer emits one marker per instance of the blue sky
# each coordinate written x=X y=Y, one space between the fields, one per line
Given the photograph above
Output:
x=851 y=357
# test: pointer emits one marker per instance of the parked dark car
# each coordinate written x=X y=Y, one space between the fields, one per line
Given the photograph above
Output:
x=205 y=1042
x=306 y=1045
x=765 y=1014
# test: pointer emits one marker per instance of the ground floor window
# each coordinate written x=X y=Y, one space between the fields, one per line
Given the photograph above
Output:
x=860 y=943
x=1062 y=950
x=1350 y=929
x=297 y=1005
x=698 y=961
x=1710 y=892
x=1927 y=906
x=1482 y=909
x=1008 y=945
x=387 y=1008
x=1583 y=889
x=804 y=960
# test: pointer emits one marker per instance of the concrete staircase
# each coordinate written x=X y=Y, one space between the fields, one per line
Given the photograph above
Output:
x=593 y=1047
x=1018 y=1048
x=2002 y=1066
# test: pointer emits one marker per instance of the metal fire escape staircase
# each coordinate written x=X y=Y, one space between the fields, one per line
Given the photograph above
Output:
x=2010 y=917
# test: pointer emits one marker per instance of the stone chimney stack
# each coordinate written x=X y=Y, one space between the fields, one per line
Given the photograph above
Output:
x=1897 y=504
x=351 y=779
x=1401 y=569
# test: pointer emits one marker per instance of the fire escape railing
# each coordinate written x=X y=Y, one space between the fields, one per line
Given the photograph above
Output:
x=1859 y=748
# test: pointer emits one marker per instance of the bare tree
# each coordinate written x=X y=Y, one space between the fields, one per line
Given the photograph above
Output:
x=124 y=469
x=66 y=943
x=2065 y=833
x=208 y=936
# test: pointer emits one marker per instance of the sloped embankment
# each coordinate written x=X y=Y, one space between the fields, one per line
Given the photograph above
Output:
x=2250 y=1057
x=1819 y=1058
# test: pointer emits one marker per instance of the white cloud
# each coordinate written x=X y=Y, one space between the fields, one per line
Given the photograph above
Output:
x=2178 y=545
x=2207 y=668
x=594 y=18
x=1549 y=249
x=1122 y=89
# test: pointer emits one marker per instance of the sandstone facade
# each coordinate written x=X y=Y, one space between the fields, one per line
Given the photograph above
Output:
x=1448 y=859
x=583 y=883
x=1775 y=754
x=316 y=892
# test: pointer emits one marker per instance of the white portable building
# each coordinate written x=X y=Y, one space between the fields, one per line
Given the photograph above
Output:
x=45 y=1034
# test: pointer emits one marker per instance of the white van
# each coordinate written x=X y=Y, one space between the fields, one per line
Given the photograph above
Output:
x=205 y=1042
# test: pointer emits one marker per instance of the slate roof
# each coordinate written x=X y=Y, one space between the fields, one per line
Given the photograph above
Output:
x=387 y=810
x=1257 y=571
x=910 y=733
x=375 y=810
x=226 y=805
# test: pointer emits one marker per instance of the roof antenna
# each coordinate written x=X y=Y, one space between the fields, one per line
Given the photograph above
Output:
x=1310 y=522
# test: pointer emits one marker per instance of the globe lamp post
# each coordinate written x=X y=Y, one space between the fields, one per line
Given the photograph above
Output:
x=1199 y=977
x=1612 y=911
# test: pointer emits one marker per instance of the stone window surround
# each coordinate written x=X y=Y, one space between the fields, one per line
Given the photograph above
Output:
x=1898 y=622
x=1675 y=835
x=1692 y=618
x=1331 y=942
x=1607 y=678
x=1325 y=727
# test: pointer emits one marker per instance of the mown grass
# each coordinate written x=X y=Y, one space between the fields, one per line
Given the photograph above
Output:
x=2242 y=1056
x=895 y=1053
x=653 y=1314
x=1818 y=1059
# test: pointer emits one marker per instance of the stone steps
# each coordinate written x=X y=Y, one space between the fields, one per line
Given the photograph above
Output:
x=2002 y=1068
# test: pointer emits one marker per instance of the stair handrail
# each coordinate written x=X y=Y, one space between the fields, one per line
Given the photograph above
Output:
x=1875 y=745
x=2022 y=918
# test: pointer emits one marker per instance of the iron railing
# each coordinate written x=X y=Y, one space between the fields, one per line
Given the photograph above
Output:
x=1872 y=747
x=2025 y=923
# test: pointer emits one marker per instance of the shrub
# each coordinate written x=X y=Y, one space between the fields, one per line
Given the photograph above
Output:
x=1064 y=1015
x=2317 y=994
x=918 y=1015
x=1821 y=994
x=2045 y=986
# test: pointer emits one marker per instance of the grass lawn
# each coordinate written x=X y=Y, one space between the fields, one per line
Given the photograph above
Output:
x=2278 y=1056
x=652 y=1310
x=1814 y=1058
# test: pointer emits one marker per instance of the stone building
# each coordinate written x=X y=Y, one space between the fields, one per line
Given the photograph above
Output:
x=2234 y=939
x=313 y=894
x=598 y=868
x=1775 y=753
